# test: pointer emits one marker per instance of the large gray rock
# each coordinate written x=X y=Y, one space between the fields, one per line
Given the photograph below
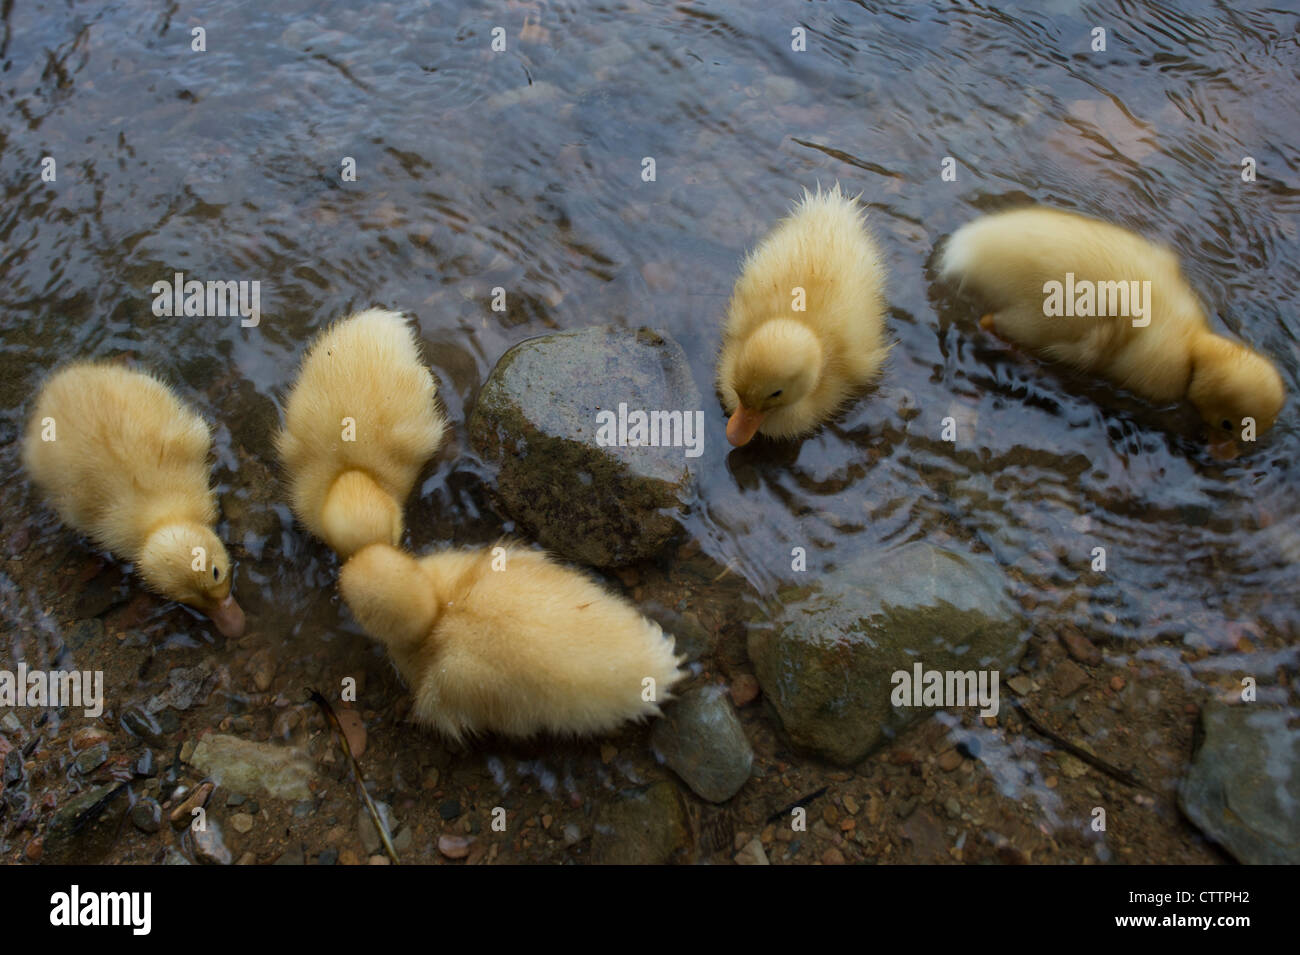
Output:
x=536 y=416
x=701 y=738
x=826 y=655
x=1243 y=787
x=646 y=826
x=246 y=767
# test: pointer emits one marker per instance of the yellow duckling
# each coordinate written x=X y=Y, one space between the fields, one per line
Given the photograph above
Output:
x=124 y=461
x=1110 y=303
x=806 y=323
x=360 y=423
x=506 y=641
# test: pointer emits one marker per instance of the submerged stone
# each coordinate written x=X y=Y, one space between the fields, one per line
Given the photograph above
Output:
x=701 y=738
x=540 y=416
x=1243 y=787
x=826 y=653
x=243 y=766
x=646 y=826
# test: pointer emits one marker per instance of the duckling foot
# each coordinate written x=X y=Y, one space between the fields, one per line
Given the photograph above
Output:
x=986 y=323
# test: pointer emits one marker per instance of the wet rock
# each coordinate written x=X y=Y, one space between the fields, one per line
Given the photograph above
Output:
x=826 y=656
x=183 y=815
x=449 y=809
x=188 y=687
x=328 y=857
x=752 y=853
x=701 y=738
x=84 y=632
x=174 y=856
x=209 y=846
x=1243 y=786
x=261 y=667
x=13 y=768
x=454 y=847
x=280 y=771
x=536 y=418
x=294 y=855
x=86 y=737
x=1079 y=646
x=141 y=723
x=11 y=724
x=1068 y=678
x=84 y=828
x=145 y=765
x=646 y=826
x=744 y=690
x=92 y=758
x=146 y=815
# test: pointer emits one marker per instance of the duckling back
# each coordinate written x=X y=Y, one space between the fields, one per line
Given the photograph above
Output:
x=360 y=422
x=1008 y=258
x=518 y=644
x=116 y=452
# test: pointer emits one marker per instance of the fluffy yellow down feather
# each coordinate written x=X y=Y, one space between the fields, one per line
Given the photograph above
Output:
x=1009 y=257
x=128 y=467
x=531 y=647
x=782 y=372
x=361 y=421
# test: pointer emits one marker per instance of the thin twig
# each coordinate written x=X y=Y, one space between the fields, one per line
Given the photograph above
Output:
x=332 y=719
x=1093 y=760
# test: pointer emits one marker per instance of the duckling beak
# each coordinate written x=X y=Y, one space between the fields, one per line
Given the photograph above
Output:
x=1223 y=449
x=743 y=425
x=229 y=617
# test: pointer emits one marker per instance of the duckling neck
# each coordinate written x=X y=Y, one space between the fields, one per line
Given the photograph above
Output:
x=358 y=512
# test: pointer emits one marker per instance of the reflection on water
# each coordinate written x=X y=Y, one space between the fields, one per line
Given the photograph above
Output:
x=522 y=169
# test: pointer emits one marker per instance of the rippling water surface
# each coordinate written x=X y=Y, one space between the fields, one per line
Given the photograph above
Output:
x=522 y=169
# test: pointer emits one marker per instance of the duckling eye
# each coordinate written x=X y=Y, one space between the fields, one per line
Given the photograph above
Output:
x=1227 y=425
x=777 y=393
x=216 y=573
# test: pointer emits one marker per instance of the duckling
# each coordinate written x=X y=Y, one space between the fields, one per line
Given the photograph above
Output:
x=784 y=371
x=124 y=461
x=507 y=641
x=1167 y=353
x=360 y=422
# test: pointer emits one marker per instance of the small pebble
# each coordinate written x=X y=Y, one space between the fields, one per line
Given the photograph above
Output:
x=241 y=822
x=744 y=690
x=454 y=847
x=949 y=760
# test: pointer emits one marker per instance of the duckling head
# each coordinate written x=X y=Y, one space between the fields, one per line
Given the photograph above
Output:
x=390 y=595
x=187 y=562
x=1230 y=383
x=358 y=512
x=777 y=367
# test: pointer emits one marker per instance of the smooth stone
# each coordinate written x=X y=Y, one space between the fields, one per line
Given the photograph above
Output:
x=826 y=652
x=209 y=847
x=80 y=833
x=1243 y=787
x=536 y=418
x=92 y=758
x=645 y=826
x=701 y=739
x=146 y=815
x=283 y=772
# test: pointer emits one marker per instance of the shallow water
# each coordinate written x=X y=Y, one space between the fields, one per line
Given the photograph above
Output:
x=522 y=169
